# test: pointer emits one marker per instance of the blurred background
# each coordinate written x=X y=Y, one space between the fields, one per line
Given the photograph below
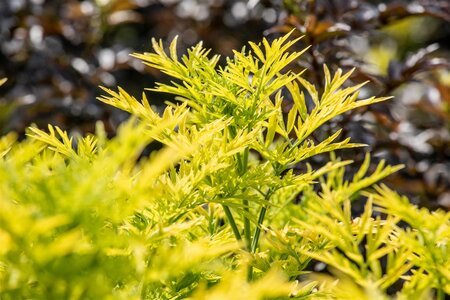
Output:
x=56 y=54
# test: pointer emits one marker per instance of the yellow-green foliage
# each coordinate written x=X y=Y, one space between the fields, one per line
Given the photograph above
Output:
x=211 y=215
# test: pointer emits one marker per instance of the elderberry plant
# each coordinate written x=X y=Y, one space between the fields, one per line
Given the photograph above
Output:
x=214 y=214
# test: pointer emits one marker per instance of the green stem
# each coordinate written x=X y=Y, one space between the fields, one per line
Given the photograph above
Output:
x=247 y=229
x=255 y=240
x=257 y=233
x=249 y=273
x=243 y=161
x=239 y=163
x=233 y=225
x=440 y=294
